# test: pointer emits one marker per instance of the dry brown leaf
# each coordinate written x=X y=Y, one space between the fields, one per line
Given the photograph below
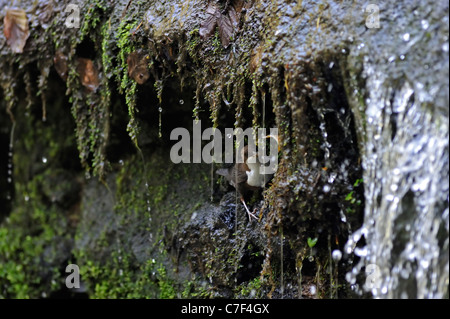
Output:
x=208 y=26
x=227 y=21
x=16 y=29
x=88 y=74
x=234 y=12
x=226 y=29
x=138 y=67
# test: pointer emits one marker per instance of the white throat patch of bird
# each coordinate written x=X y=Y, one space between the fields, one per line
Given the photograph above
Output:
x=252 y=174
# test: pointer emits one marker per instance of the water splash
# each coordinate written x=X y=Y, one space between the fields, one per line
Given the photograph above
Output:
x=406 y=175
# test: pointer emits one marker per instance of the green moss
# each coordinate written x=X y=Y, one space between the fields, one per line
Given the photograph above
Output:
x=251 y=289
x=166 y=288
x=29 y=247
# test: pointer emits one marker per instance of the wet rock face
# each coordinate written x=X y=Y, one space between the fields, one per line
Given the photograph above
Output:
x=139 y=225
x=222 y=251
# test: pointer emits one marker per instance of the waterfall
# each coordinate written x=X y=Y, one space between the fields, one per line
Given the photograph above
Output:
x=405 y=158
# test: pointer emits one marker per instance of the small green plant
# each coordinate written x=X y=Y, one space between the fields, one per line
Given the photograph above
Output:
x=312 y=241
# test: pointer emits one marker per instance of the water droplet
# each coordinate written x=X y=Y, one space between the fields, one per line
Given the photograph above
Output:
x=406 y=37
x=425 y=24
x=313 y=289
x=361 y=252
x=332 y=178
x=330 y=87
x=390 y=197
x=121 y=162
x=9 y=180
x=331 y=64
x=394 y=187
x=326 y=188
x=445 y=47
x=44 y=160
x=391 y=59
x=402 y=57
x=229 y=135
x=424 y=263
x=181 y=102
x=26 y=198
x=336 y=255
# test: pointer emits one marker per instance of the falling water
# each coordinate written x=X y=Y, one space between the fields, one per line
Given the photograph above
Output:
x=212 y=182
x=263 y=100
x=406 y=177
x=9 y=178
x=402 y=115
x=160 y=121
x=326 y=144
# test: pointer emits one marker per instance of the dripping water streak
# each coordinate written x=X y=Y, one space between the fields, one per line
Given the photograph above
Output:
x=212 y=181
x=282 y=259
x=44 y=108
x=11 y=137
x=160 y=121
x=10 y=160
x=236 y=266
x=263 y=99
x=299 y=275
x=326 y=145
x=147 y=191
